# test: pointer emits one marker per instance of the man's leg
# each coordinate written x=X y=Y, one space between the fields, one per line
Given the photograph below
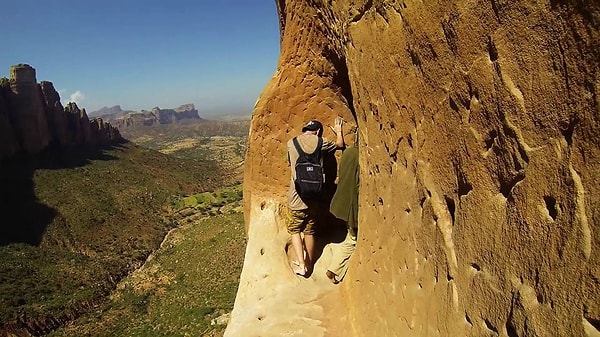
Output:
x=309 y=240
x=295 y=227
x=339 y=259
x=299 y=250
x=309 y=243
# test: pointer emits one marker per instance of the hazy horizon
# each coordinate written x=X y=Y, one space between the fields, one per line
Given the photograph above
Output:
x=142 y=54
x=215 y=111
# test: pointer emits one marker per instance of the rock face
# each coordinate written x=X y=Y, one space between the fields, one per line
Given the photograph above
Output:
x=26 y=109
x=8 y=141
x=57 y=118
x=479 y=153
x=32 y=117
x=79 y=124
x=169 y=116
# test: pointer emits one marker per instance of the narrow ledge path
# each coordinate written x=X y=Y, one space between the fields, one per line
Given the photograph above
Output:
x=271 y=299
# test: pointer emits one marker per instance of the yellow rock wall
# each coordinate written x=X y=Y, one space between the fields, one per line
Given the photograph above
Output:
x=480 y=159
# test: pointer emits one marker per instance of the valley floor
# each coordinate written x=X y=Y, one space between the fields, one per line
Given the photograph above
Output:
x=189 y=281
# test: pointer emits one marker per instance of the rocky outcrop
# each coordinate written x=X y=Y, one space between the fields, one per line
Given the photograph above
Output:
x=32 y=117
x=57 y=118
x=27 y=110
x=79 y=124
x=479 y=155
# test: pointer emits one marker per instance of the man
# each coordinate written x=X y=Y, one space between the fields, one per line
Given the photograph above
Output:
x=344 y=206
x=302 y=211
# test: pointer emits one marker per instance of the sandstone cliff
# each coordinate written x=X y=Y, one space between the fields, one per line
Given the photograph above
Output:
x=27 y=109
x=480 y=161
x=57 y=118
x=32 y=117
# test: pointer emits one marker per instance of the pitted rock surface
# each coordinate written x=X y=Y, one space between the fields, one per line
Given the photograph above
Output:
x=479 y=157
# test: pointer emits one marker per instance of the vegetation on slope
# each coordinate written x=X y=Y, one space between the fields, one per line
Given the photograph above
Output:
x=222 y=142
x=74 y=223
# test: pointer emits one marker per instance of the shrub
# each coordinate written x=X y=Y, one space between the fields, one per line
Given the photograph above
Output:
x=190 y=201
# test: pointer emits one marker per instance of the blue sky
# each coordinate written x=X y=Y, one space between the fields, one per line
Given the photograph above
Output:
x=140 y=54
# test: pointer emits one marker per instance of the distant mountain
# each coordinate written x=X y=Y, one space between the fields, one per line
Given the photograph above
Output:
x=106 y=110
x=186 y=113
x=110 y=113
x=113 y=110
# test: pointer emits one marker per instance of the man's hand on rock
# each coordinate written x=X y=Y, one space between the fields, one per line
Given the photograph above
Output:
x=338 y=124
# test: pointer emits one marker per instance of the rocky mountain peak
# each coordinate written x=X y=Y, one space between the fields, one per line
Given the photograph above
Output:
x=23 y=74
x=185 y=107
x=32 y=117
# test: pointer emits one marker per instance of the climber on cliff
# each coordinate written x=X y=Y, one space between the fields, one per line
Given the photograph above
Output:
x=344 y=206
x=304 y=155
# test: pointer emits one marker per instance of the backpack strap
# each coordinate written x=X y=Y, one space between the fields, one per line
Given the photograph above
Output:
x=298 y=148
x=315 y=155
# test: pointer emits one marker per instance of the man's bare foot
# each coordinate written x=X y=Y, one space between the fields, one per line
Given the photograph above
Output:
x=298 y=268
x=332 y=277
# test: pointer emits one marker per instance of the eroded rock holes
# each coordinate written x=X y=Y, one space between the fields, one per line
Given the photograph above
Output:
x=551 y=206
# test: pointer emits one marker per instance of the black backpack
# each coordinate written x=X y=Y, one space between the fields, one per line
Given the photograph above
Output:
x=309 y=172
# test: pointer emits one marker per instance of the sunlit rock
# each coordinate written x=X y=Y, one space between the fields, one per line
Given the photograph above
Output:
x=480 y=163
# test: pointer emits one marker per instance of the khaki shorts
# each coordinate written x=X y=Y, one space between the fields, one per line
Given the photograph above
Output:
x=301 y=221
